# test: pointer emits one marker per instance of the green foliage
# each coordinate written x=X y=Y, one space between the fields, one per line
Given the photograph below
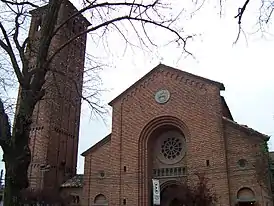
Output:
x=264 y=147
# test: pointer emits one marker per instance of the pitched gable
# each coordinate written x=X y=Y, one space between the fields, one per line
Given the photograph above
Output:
x=162 y=67
x=249 y=131
x=97 y=145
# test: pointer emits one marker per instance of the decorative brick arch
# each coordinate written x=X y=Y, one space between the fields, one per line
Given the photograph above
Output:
x=246 y=194
x=153 y=126
x=168 y=183
x=100 y=200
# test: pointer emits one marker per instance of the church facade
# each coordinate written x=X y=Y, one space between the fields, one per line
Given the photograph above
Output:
x=169 y=126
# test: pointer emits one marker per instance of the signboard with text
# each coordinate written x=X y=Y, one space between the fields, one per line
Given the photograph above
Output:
x=156 y=191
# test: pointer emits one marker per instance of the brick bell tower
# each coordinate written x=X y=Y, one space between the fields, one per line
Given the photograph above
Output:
x=54 y=132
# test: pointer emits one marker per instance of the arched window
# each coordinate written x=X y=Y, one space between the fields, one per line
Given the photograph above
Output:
x=100 y=200
x=245 y=194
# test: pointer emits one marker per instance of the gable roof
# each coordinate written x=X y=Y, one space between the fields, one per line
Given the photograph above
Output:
x=247 y=129
x=76 y=181
x=97 y=145
x=163 y=66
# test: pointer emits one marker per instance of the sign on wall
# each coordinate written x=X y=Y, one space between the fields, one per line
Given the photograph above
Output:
x=156 y=191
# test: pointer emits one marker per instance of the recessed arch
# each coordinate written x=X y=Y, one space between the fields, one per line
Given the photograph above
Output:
x=161 y=122
x=170 y=193
x=168 y=183
x=245 y=194
x=100 y=200
x=155 y=125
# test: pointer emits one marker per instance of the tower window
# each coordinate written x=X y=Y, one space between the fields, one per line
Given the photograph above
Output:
x=38 y=24
x=125 y=168
x=207 y=163
x=124 y=201
x=102 y=174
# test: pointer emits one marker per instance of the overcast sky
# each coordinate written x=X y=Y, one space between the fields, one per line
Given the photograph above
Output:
x=246 y=69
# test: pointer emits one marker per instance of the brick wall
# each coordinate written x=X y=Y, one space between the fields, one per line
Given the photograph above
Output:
x=70 y=194
x=241 y=145
x=98 y=176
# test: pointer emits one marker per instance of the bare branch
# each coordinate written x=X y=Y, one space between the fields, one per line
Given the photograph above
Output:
x=20 y=3
x=101 y=5
x=241 y=12
x=21 y=49
x=8 y=48
x=106 y=23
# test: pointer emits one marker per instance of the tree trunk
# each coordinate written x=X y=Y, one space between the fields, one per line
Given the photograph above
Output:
x=11 y=193
x=16 y=178
x=17 y=155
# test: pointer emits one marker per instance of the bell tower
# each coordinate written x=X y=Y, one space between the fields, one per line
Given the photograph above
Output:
x=54 y=132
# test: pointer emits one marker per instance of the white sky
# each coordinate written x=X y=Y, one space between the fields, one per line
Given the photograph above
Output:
x=245 y=69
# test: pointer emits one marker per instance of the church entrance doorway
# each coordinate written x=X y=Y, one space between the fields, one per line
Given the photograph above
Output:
x=170 y=195
x=245 y=197
x=175 y=202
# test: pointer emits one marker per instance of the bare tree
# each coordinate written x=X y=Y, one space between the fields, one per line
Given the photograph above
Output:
x=106 y=17
x=264 y=15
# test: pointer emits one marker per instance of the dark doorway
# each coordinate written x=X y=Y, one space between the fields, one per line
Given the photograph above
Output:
x=175 y=202
x=169 y=196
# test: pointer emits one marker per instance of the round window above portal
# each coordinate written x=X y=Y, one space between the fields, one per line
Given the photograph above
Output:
x=242 y=163
x=171 y=147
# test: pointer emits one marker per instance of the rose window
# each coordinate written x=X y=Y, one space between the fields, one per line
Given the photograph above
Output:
x=171 y=148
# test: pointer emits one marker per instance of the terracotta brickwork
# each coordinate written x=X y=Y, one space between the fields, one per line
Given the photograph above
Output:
x=100 y=179
x=242 y=144
x=55 y=128
x=196 y=109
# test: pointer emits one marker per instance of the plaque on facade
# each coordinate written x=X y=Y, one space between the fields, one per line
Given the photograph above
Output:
x=162 y=96
x=156 y=192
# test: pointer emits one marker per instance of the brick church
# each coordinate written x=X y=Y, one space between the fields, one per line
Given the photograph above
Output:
x=170 y=125
x=167 y=126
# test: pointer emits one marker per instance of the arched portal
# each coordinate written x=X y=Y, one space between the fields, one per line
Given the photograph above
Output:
x=245 y=197
x=170 y=195
x=100 y=200
x=162 y=151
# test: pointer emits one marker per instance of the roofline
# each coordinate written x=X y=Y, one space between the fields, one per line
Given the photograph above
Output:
x=229 y=112
x=61 y=186
x=220 y=85
x=247 y=129
x=97 y=145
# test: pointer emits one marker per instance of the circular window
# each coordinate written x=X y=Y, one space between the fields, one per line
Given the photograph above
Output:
x=171 y=147
x=242 y=163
